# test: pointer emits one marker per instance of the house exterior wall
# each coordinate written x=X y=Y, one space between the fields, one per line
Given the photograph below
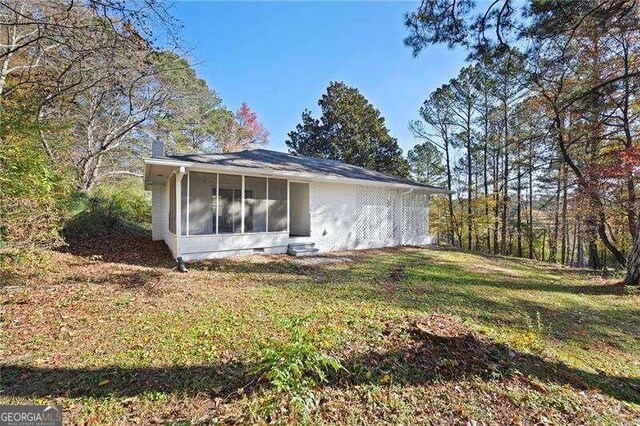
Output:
x=172 y=242
x=347 y=217
x=159 y=212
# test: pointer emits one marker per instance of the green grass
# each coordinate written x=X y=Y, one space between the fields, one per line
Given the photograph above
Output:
x=125 y=342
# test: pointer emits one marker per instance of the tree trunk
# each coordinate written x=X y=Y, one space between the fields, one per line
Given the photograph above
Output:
x=563 y=223
x=484 y=168
x=449 y=195
x=505 y=172
x=553 y=246
x=573 y=247
x=496 y=199
x=631 y=209
x=486 y=200
x=626 y=125
x=531 y=234
x=580 y=244
x=519 y=202
x=476 y=228
x=469 y=182
x=633 y=264
x=602 y=232
x=594 y=257
x=596 y=202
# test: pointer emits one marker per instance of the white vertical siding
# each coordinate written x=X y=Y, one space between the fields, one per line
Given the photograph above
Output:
x=159 y=213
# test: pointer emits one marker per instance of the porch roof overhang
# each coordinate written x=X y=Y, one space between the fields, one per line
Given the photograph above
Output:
x=159 y=169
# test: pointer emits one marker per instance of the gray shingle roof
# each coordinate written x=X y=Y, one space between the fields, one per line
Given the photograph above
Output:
x=280 y=161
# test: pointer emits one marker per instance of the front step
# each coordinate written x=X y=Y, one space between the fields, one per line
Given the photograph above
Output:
x=302 y=249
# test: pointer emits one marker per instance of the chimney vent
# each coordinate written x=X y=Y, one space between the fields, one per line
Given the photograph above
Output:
x=157 y=149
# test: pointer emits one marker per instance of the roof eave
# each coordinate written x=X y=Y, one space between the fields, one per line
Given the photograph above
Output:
x=195 y=166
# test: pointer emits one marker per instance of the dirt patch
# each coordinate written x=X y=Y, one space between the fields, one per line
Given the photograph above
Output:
x=443 y=346
x=393 y=278
x=397 y=274
x=438 y=348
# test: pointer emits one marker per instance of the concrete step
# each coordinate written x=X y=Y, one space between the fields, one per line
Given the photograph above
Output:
x=310 y=252
x=302 y=246
x=302 y=249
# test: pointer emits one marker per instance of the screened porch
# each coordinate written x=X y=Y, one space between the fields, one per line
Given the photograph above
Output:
x=219 y=211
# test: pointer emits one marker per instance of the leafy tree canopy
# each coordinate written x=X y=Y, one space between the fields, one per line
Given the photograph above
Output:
x=426 y=163
x=350 y=129
x=245 y=132
x=194 y=117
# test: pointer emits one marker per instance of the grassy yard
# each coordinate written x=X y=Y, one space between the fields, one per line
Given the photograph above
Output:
x=422 y=335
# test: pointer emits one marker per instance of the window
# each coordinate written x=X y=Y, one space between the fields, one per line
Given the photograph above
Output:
x=230 y=207
x=202 y=203
x=255 y=204
x=277 y=205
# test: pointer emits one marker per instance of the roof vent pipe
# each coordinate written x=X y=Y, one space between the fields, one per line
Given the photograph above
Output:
x=157 y=148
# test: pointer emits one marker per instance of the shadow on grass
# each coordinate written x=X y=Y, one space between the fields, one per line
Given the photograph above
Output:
x=108 y=382
x=430 y=357
x=423 y=358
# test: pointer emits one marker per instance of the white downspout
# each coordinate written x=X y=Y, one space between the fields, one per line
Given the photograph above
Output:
x=410 y=190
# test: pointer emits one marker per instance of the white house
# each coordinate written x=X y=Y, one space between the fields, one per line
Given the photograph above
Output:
x=260 y=201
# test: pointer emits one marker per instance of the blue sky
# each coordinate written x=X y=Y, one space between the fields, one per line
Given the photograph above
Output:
x=280 y=56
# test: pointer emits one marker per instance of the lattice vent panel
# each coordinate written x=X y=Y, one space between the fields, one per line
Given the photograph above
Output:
x=415 y=216
x=332 y=214
x=348 y=216
x=375 y=216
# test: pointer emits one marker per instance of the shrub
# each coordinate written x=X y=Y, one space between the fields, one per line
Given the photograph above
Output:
x=109 y=210
x=532 y=339
x=33 y=197
x=297 y=366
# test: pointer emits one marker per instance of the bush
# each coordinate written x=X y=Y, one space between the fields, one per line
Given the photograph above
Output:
x=33 y=201
x=110 y=210
x=297 y=366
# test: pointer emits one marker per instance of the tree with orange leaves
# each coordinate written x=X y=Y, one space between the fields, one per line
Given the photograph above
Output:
x=245 y=132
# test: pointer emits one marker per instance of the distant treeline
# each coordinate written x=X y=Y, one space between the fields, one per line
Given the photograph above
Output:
x=547 y=118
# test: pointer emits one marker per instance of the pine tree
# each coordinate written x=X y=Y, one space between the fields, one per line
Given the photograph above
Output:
x=350 y=129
